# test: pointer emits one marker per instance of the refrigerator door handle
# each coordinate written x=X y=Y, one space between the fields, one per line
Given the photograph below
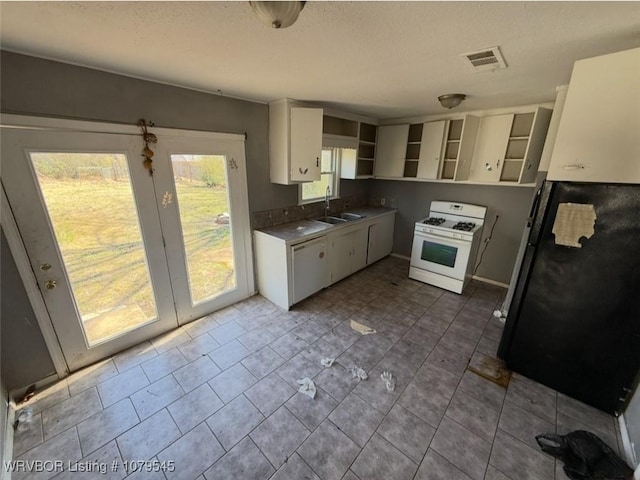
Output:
x=539 y=209
x=534 y=207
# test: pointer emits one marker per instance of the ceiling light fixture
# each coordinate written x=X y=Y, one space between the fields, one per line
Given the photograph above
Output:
x=451 y=100
x=277 y=14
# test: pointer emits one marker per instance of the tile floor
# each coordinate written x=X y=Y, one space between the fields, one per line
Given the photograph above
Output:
x=219 y=397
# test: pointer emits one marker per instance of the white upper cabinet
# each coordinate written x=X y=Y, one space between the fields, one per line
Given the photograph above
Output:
x=424 y=149
x=431 y=148
x=295 y=142
x=509 y=147
x=458 y=148
x=358 y=143
x=491 y=145
x=391 y=147
x=365 y=162
x=599 y=133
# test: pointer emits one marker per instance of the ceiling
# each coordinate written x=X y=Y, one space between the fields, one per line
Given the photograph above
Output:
x=382 y=59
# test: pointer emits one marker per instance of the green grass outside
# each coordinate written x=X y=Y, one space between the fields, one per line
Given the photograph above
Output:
x=96 y=227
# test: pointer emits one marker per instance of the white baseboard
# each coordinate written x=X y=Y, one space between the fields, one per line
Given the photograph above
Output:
x=7 y=450
x=404 y=257
x=627 y=448
x=490 y=282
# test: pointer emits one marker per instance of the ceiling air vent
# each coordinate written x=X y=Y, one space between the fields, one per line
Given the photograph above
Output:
x=488 y=59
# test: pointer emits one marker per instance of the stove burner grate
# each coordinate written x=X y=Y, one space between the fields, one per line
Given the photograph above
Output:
x=464 y=226
x=434 y=221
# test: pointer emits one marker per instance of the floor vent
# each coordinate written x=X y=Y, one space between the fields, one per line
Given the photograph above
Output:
x=488 y=59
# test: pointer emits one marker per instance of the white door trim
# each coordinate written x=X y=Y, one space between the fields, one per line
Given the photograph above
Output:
x=22 y=122
x=234 y=152
x=10 y=229
x=46 y=123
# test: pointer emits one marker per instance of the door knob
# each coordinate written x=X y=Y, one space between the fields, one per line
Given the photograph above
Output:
x=50 y=284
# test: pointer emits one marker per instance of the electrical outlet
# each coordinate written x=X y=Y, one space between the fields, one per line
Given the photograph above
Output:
x=498 y=213
x=383 y=201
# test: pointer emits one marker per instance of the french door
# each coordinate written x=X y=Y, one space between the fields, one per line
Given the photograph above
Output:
x=120 y=255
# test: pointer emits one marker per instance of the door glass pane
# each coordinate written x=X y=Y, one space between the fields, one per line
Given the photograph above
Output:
x=203 y=200
x=89 y=199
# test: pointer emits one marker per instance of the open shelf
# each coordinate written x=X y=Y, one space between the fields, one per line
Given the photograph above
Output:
x=368 y=133
x=339 y=126
x=364 y=168
x=367 y=151
x=413 y=151
x=411 y=168
x=511 y=170
x=448 y=169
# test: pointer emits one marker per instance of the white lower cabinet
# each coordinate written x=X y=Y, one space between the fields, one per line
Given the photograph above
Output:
x=347 y=251
x=289 y=271
x=309 y=268
x=380 y=241
x=354 y=247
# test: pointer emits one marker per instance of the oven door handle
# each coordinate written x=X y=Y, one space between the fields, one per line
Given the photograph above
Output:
x=439 y=237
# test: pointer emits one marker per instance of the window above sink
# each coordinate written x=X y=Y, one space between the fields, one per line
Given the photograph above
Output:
x=329 y=177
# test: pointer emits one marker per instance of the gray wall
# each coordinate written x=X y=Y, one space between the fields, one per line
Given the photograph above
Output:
x=412 y=199
x=25 y=358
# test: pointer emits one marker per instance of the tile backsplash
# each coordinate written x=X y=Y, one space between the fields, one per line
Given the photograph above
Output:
x=278 y=216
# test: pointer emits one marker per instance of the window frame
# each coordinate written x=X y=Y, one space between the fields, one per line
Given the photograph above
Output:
x=336 y=157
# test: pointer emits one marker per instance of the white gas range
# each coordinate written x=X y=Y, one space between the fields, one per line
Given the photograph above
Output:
x=445 y=245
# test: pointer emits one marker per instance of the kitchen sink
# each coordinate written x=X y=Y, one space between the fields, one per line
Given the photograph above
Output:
x=339 y=218
x=349 y=216
x=331 y=220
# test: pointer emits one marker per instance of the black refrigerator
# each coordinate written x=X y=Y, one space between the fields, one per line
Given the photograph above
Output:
x=574 y=321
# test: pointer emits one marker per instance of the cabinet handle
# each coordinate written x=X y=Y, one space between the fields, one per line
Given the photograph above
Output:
x=574 y=166
x=317 y=161
x=303 y=172
x=488 y=167
x=498 y=164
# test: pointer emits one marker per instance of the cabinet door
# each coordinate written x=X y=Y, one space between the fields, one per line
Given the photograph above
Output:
x=340 y=256
x=380 y=239
x=598 y=137
x=359 y=249
x=305 y=144
x=431 y=149
x=491 y=145
x=308 y=268
x=391 y=148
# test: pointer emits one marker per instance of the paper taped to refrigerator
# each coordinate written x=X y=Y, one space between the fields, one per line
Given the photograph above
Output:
x=573 y=221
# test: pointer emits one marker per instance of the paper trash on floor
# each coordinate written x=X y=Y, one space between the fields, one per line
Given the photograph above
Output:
x=362 y=329
x=389 y=381
x=358 y=373
x=307 y=387
x=327 y=362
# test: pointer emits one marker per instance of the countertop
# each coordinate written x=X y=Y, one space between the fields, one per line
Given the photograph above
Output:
x=307 y=229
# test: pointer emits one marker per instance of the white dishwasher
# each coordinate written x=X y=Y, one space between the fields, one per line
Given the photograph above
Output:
x=309 y=268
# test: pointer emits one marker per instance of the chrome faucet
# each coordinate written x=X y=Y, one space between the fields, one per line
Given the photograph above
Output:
x=327 y=193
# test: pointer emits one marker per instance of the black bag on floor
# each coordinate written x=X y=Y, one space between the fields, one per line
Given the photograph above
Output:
x=585 y=456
